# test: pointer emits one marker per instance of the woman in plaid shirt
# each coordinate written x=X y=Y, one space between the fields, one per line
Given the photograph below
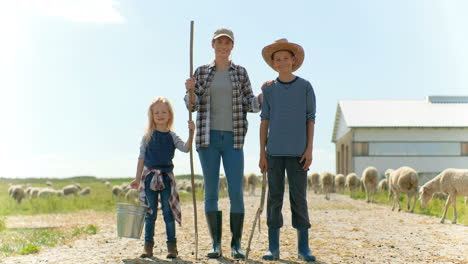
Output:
x=221 y=94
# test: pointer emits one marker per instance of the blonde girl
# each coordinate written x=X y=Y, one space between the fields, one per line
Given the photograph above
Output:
x=154 y=175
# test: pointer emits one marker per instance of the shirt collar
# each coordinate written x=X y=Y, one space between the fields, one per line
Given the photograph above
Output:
x=212 y=65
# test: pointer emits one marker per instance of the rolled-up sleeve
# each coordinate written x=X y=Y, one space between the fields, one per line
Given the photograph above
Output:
x=265 y=114
x=310 y=101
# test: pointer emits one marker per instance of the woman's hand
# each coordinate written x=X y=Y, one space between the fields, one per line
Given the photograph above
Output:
x=267 y=83
x=190 y=84
x=307 y=158
x=135 y=184
x=191 y=126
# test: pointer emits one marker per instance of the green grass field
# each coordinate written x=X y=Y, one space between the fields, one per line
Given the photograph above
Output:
x=434 y=208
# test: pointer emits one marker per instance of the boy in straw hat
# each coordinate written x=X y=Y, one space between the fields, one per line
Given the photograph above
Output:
x=288 y=118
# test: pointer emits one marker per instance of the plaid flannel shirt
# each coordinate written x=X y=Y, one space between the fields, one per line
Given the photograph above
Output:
x=243 y=101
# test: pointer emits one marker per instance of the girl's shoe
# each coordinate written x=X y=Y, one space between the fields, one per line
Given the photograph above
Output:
x=148 y=250
x=172 y=250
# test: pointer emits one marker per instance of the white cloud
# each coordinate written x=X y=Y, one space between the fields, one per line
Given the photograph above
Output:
x=94 y=11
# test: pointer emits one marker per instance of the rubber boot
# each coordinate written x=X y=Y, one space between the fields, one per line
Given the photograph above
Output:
x=273 y=244
x=148 y=247
x=172 y=250
x=304 y=252
x=214 y=220
x=237 y=223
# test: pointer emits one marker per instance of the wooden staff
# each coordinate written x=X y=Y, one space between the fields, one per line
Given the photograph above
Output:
x=257 y=215
x=195 y=221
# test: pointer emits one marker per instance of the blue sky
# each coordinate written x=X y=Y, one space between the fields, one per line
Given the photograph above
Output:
x=76 y=76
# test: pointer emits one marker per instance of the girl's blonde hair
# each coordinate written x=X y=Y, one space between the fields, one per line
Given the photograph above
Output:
x=151 y=125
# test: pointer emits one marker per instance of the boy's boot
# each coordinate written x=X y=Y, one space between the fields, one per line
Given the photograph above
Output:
x=237 y=223
x=273 y=244
x=214 y=220
x=304 y=252
x=172 y=250
x=148 y=247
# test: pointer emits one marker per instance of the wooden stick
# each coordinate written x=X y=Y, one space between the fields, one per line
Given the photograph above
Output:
x=257 y=215
x=191 y=151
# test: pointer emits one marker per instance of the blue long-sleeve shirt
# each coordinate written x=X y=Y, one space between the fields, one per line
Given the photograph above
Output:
x=288 y=107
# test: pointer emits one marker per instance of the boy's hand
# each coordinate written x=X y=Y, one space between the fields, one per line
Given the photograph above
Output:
x=263 y=163
x=135 y=184
x=191 y=126
x=307 y=158
x=190 y=84
x=267 y=83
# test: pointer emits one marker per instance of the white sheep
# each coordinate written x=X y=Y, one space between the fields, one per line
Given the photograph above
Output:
x=340 y=180
x=34 y=192
x=85 y=191
x=383 y=185
x=404 y=180
x=352 y=183
x=70 y=189
x=314 y=182
x=17 y=192
x=49 y=183
x=107 y=183
x=46 y=192
x=387 y=176
x=326 y=182
x=453 y=182
x=252 y=182
x=132 y=195
x=117 y=191
x=222 y=183
x=369 y=179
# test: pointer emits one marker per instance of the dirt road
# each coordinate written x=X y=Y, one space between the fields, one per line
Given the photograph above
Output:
x=343 y=231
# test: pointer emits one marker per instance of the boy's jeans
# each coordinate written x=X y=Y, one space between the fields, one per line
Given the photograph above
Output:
x=150 y=219
x=297 y=179
x=222 y=146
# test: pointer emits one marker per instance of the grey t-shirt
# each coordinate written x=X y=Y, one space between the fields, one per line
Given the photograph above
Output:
x=221 y=102
x=288 y=107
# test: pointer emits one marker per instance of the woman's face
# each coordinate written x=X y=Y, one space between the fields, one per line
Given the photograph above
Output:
x=222 y=47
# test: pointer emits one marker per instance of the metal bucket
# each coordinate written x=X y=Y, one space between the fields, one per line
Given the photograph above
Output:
x=130 y=220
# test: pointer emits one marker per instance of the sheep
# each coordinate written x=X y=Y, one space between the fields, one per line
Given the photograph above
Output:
x=369 y=179
x=34 y=192
x=16 y=192
x=46 y=192
x=125 y=187
x=70 y=189
x=383 y=185
x=314 y=182
x=453 y=182
x=107 y=184
x=326 y=182
x=387 y=176
x=252 y=182
x=85 y=191
x=352 y=183
x=117 y=191
x=132 y=195
x=222 y=183
x=340 y=182
x=404 y=180
x=49 y=183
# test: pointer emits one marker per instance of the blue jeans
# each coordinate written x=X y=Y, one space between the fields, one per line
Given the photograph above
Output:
x=150 y=219
x=222 y=146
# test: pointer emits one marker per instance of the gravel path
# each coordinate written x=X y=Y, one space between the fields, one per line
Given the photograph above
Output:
x=343 y=231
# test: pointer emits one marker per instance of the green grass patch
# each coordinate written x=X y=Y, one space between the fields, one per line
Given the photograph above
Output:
x=434 y=208
x=30 y=240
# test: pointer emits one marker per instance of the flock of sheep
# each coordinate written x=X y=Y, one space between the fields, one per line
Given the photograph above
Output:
x=447 y=185
x=20 y=192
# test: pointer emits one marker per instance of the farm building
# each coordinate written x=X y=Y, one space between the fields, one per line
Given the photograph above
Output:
x=428 y=135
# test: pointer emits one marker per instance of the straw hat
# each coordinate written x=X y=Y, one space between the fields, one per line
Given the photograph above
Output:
x=283 y=44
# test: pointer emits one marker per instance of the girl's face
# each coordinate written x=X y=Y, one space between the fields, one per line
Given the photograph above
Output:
x=283 y=61
x=222 y=47
x=161 y=114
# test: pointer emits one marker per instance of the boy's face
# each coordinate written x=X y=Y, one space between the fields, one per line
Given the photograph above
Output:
x=222 y=47
x=283 y=61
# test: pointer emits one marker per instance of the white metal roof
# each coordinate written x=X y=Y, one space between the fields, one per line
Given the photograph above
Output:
x=404 y=113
